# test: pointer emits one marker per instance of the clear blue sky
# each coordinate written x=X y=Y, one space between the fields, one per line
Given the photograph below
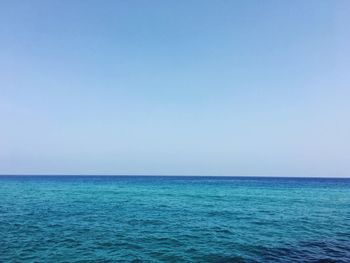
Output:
x=175 y=87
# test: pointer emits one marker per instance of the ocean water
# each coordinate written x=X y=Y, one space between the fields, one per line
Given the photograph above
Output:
x=174 y=219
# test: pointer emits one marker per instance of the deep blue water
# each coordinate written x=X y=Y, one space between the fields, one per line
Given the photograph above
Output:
x=174 y=219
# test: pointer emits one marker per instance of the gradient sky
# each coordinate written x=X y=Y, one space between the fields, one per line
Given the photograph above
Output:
x=175 y=87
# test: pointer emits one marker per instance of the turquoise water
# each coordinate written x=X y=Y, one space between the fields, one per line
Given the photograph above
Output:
x=174 y=219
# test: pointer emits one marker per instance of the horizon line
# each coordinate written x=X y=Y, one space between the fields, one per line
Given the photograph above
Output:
x=180 y=175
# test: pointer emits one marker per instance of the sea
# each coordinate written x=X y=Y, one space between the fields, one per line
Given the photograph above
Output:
x=174 y=219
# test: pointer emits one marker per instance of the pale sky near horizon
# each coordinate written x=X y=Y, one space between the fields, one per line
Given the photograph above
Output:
x=175 y=87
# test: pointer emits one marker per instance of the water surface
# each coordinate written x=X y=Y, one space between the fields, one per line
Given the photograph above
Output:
x=174 y=219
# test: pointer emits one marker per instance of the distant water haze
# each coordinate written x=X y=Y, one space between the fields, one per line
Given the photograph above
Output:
x=175 y=88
